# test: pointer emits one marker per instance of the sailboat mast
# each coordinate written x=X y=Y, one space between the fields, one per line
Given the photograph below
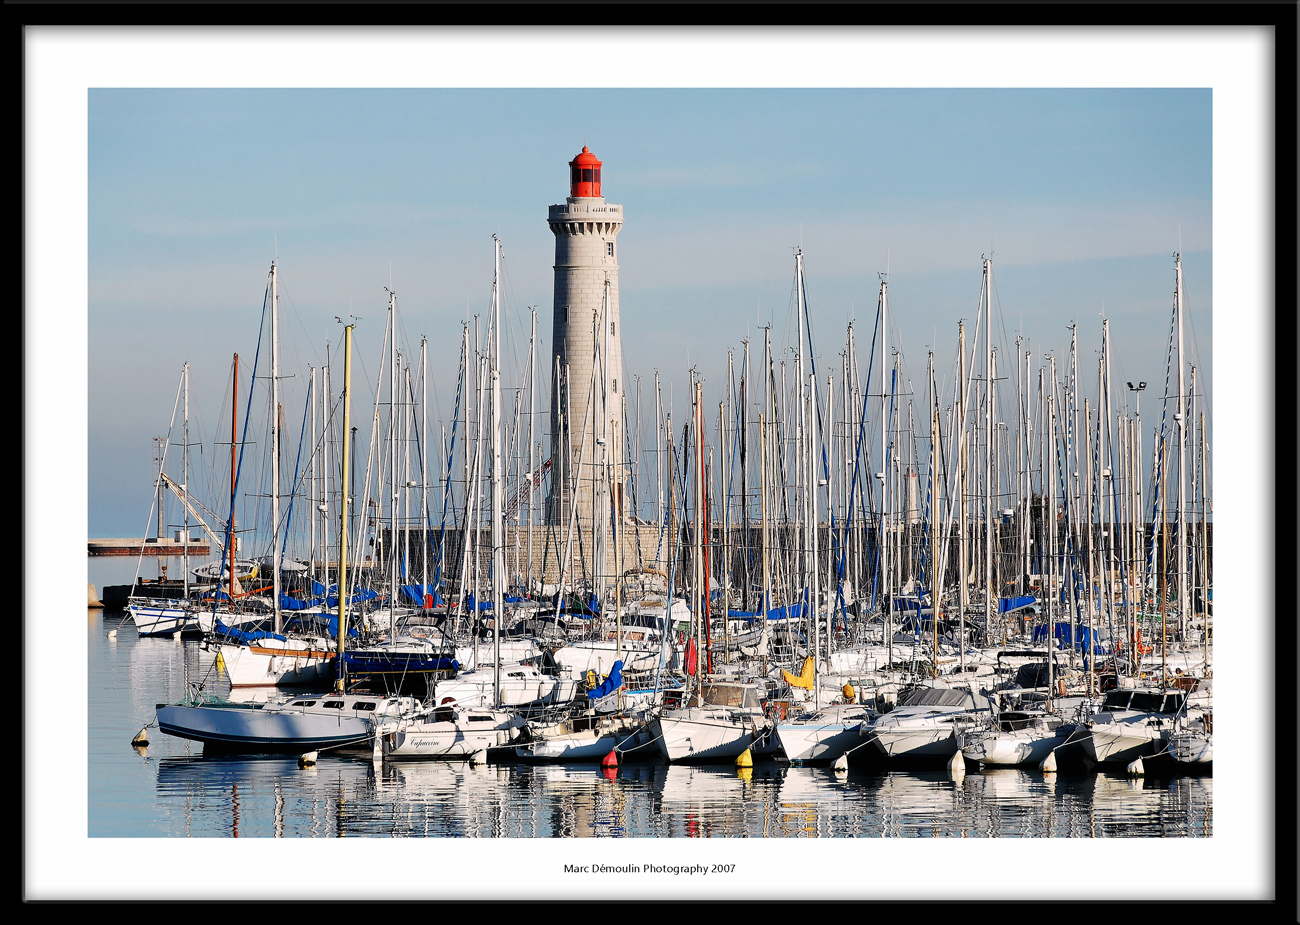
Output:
x=185 y=475
x=883 y=539
x=424 y=471
x=390 y=548
x=275 y=447
x=497 y=483
x=1181 y=417
x=342 y=630
x=990 y=591
x=936 y=580
x=961 y=494
x=234 y=471
x=532 y=444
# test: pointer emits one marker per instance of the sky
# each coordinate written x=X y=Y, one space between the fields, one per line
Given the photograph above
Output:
x=163 y=177
x=1079 y=196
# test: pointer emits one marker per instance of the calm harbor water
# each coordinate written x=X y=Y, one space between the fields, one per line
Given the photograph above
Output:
x=170 y=789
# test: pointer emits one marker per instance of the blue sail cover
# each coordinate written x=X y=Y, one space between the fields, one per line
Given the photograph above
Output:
x=416 y=594
x=245 y=635
x=1012 y=604
x=365 y=594
x=1081 y=638
x=293 y=603
x=789 y=612
x=610 y=684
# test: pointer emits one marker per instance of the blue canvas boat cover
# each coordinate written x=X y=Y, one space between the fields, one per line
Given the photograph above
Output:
x=416 y=594
x=245 y=635
x=1012 y=604
x=610 y=684
x=789 y=612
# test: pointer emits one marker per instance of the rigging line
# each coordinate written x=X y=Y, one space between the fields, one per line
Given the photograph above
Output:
x=162 y=465
x=288 y=516
x=234 y=494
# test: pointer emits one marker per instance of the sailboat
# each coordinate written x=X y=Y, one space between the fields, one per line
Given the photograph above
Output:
x=722 y=716
x=292 y=724
x=167 y=617
x=470 y=715
x=258 y=658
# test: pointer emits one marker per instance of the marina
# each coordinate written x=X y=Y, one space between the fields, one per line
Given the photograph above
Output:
x=172 y=788
x=534 y=548
x=1042 y=602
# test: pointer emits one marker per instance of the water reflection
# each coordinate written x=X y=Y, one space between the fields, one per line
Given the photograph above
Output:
x=170 y=789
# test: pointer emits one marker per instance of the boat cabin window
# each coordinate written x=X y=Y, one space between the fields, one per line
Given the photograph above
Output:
x=365 y=705
x=333 y=704
x=481 y=719
x=304 y=703
x=1146 y=701
x=1116 y=700
x=937 y=697
x=730 y=695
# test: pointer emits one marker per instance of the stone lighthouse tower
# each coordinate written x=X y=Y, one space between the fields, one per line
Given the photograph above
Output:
x=587 y=366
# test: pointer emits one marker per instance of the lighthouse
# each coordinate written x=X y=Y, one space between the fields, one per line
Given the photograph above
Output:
x=587 y=366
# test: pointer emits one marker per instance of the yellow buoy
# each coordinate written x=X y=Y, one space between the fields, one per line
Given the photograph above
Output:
x=221 y=664
x=745 y=759
x=141 y=737
x=849 y=693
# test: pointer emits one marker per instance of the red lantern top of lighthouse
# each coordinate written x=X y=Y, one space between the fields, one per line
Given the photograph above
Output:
x=584 y=175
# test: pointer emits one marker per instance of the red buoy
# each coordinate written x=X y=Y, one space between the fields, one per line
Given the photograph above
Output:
x=610 y=760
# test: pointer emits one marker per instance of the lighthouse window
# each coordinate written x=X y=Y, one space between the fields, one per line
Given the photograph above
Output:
x=609 y=248
x=612 y=328
x=588 y=175
x=575 y=175
x=616 y=386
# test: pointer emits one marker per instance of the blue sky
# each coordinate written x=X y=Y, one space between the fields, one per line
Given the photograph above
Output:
x=1081 y=196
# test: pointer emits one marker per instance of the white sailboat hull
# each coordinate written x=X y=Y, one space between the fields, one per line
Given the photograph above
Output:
x=1120 y=742
x=588 y=744
x=1013 y=749
x=299 y=725
x=162 y=618
x=461 y=736
x=901 y=744
x=1193 y=748
x=520 y=685
x=273 y=662
x=705 y=733
x=600 y=656
x=822 y=738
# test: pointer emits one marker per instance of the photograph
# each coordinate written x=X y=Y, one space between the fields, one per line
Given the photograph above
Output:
x=763 y=436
